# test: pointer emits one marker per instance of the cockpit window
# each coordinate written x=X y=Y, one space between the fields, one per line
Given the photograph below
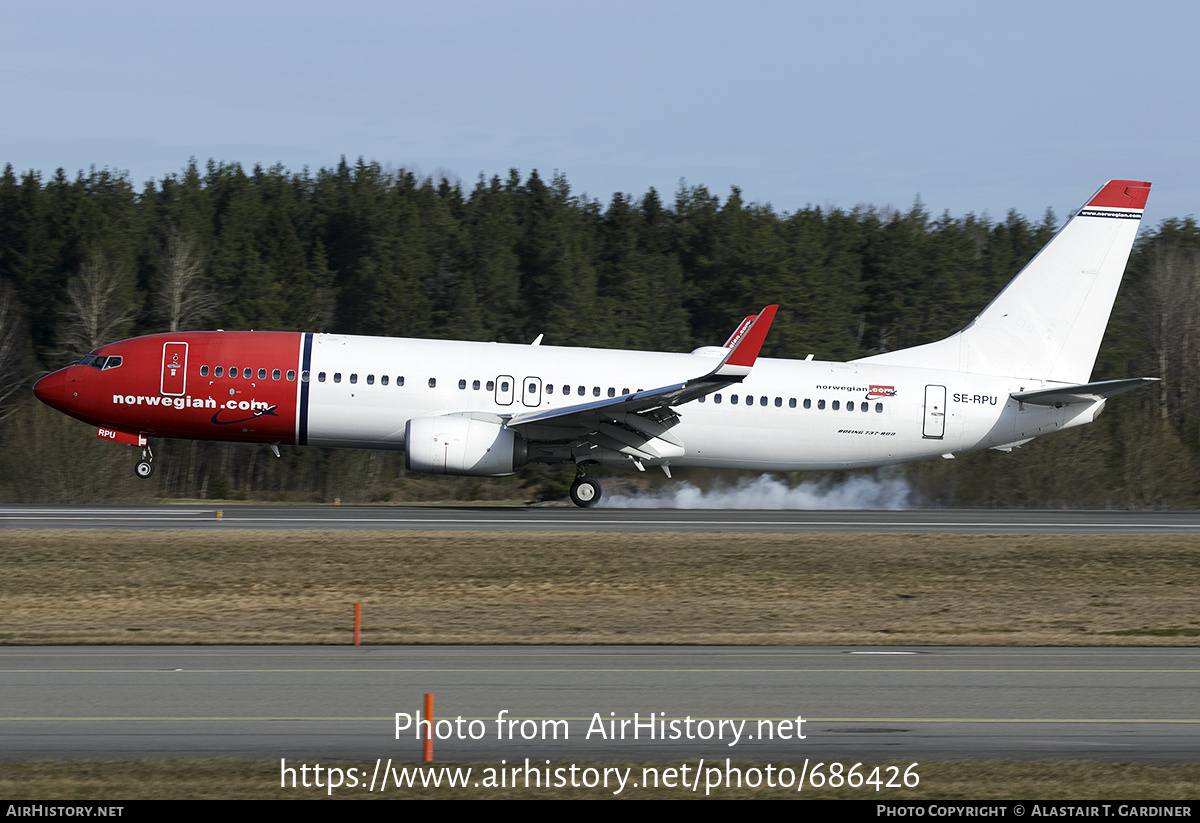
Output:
x=100 y=362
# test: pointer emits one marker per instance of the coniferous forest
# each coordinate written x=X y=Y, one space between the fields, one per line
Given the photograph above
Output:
x=360 y=249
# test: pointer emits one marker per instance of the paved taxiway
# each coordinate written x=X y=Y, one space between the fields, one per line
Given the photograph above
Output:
x=945 y=521
x=858 y=704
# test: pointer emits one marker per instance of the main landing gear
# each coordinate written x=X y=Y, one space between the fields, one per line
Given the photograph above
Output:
x=145 y=466
x=585 y=491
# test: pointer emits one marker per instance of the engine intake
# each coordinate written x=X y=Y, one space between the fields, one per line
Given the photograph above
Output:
x=453 y=444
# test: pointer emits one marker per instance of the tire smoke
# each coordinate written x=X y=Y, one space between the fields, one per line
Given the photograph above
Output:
x=768 y=492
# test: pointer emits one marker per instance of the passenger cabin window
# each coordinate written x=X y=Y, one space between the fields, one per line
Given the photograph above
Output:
x=549 y=388
x=837 y=404
x=400 y=380
x=491 y=385
x=733 y=399
x=717 y=398
x=204 y=371
x=321 y=377
x=291 y=375
x=475 y=385
x=353 y=379
x=612 y=392
x=433 y=382
x=595 y=391
x=218 y=371
x=276 y=374
x=807 y=403
x=820 y=404
x=233 y=372
x=370 y=380
x=337 y=377
x=791 y=402
x=248 y=373
x=878 y=407
x=462 y=385
x=383 y=379
x=262 y=374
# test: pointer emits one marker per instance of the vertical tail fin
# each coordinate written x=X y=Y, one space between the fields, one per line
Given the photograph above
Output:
x=1048 y=322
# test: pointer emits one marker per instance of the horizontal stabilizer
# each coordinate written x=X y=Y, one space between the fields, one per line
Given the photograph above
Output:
x=1083 y=393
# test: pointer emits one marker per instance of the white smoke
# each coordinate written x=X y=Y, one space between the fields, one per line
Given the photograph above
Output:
x=766 y=492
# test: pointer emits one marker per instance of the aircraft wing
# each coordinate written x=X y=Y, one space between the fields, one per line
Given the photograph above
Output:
x=624 y=423
x=1082 y=393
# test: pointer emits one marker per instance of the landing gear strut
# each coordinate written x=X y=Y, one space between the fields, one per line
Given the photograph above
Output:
x=145 y=466
x=585 y=491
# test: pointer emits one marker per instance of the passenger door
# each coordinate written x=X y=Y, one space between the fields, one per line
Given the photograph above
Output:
x=174 y=369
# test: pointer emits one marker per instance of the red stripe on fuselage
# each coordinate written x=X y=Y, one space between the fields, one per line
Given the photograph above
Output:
x=249 y=409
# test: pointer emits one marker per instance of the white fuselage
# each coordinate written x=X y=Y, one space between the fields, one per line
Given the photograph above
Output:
x=787 y=415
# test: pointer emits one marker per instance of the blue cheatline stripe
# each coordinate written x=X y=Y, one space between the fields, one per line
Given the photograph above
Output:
x=305 y=364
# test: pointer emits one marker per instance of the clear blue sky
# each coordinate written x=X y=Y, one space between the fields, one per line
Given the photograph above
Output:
x=972 y=106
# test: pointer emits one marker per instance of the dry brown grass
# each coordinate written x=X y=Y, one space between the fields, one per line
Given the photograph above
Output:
x=240 y=586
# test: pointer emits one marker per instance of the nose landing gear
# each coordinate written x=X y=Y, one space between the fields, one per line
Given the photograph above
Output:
x=585 y=491
x=145 y=466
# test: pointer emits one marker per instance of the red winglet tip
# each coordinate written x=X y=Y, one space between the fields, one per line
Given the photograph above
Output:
x=1121 y=194
x=746 y=350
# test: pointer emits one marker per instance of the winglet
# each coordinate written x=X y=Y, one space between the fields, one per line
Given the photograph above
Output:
x=739 y=330
x=747 y=341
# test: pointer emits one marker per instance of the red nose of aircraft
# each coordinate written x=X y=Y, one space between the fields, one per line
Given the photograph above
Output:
x=52 y=389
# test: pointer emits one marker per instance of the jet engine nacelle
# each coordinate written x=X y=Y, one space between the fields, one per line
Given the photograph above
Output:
x=453 y=444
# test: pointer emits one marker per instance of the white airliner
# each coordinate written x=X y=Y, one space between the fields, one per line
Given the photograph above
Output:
x=1019 y=370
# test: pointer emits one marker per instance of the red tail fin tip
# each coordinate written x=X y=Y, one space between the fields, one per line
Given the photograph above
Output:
x=1121 y=194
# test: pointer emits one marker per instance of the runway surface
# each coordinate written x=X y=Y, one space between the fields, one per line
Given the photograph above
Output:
x=858 y=704
x=947 y=521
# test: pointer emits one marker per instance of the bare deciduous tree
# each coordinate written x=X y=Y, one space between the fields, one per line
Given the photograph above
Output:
x=1168 y=302
x=181 y=301
x=95 y=312
x=12 y=346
